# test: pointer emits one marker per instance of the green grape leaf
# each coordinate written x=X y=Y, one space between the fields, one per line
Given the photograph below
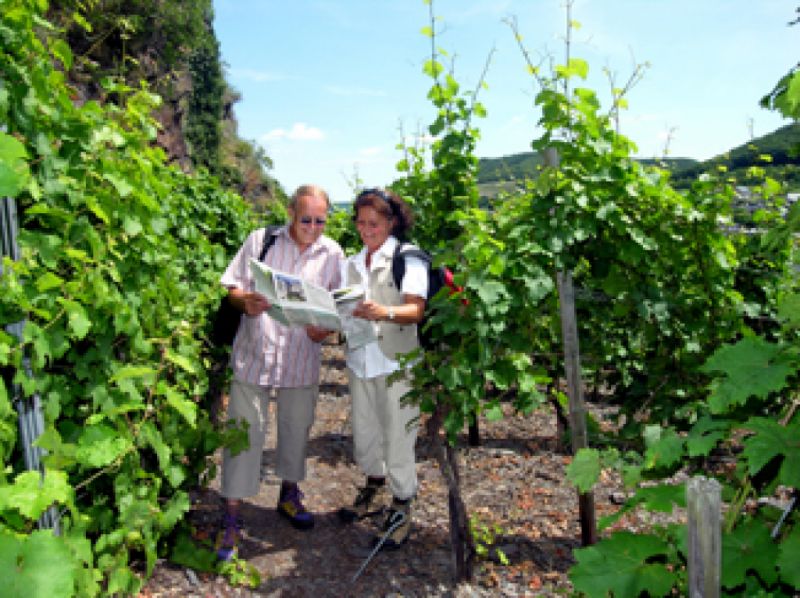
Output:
x=151 y=435
x=48 y=281
x=11 y=148
x=705 y=435
x=132 y=226
x=663 y=498
x=122 y=186
x=769 y=440
x=31 y=493
x=14 y=173
x=749 y=547
x=665 y=451
x=37 y=566
x=789 y=309
x=62 y=51
x=751 y=367
x=491 y=292
x=575 y=67
x=788 y=557
x=5 y=404
x=182 y=405
x=450 y=376
x=432 y=68
x=619 y=565
x=584 y=471
x=101 y=445
x=133 y=371
x=493 y=412
x=79 y=322
x=174 y=509
x=181 y=361
x=187 y=553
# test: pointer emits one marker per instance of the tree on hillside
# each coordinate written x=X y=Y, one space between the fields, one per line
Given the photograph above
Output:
x=171 y=47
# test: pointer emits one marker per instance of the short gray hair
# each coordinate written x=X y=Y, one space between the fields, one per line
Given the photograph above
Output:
x=308 y=190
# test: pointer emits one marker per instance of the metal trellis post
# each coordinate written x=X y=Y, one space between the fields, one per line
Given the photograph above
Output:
x=29 y=410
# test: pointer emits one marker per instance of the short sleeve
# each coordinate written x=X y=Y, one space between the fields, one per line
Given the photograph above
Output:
x=237 y=274
x=415 y=280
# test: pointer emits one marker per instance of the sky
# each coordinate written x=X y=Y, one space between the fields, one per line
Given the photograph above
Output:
x=330 y=88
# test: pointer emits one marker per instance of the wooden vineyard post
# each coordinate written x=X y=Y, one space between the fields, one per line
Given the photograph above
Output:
x=572 y=368
x=705 y=537
x=577 y=407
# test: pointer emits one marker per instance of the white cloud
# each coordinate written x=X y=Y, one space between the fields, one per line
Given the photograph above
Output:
x=298 y=132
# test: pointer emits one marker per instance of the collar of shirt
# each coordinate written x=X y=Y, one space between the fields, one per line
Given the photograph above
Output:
x=385 y=251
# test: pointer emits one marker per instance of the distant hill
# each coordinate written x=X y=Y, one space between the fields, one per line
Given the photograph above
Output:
x=782 y=146
x=498 y=174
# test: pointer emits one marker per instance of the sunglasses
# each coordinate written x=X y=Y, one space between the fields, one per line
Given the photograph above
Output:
x=309 y=220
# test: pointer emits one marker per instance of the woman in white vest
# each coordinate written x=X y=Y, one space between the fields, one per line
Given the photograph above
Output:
x=384 y=430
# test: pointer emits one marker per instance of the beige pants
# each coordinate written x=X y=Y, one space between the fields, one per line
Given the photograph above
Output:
x=241 y=474
x=383 y=440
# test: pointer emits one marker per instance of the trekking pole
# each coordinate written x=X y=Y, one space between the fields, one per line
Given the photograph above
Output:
x=401 y=520
x=792 y=504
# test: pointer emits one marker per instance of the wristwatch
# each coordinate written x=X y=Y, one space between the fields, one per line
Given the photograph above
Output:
x=390 y=314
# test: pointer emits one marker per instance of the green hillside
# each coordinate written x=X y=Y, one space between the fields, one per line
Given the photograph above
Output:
x=777 y=152
x=503 y=174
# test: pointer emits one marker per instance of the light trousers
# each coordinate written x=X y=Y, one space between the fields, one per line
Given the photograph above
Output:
x=385 y=432
x=241 y=474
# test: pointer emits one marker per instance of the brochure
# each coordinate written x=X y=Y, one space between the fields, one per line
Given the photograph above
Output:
x=297 y=302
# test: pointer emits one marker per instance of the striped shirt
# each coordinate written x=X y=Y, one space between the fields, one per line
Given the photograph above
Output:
x=265 y=352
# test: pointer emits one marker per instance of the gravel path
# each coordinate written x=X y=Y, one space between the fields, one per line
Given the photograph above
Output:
x=515 y=479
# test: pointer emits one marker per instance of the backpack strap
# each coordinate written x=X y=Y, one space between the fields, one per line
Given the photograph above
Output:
x=270 y=234
x=401 y=252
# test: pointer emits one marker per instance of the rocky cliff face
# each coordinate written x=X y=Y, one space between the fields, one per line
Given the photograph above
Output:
x=159 y=44
x=172 y=116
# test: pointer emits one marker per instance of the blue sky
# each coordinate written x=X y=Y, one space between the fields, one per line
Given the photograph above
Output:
x=329 y=88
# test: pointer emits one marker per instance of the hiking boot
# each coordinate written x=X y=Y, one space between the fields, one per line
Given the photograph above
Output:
x=228 y=538
x=370 y=500
x=290 y=505
x=397 y=526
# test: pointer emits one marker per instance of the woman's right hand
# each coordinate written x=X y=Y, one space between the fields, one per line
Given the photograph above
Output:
x=369 y=310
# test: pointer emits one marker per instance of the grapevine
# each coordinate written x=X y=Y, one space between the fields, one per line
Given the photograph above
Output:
x=119 y=259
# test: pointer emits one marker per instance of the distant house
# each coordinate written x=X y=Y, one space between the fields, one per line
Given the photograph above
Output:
x=337 y=206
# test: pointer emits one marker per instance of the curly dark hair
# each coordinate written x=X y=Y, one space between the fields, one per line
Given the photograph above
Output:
x=388 y=204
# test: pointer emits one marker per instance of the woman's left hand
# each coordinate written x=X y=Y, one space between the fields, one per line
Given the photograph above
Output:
x=369 y=310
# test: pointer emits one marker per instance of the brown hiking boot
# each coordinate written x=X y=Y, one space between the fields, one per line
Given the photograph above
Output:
x=370 y=500
x=397 y=526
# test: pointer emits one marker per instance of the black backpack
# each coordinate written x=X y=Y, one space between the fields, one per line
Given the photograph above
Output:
x=437 y=278
x=226 y=320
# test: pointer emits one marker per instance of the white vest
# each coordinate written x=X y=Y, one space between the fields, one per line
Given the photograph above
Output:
x=393 y=339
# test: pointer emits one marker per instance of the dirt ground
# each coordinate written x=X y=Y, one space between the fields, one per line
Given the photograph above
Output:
x=515 y=480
